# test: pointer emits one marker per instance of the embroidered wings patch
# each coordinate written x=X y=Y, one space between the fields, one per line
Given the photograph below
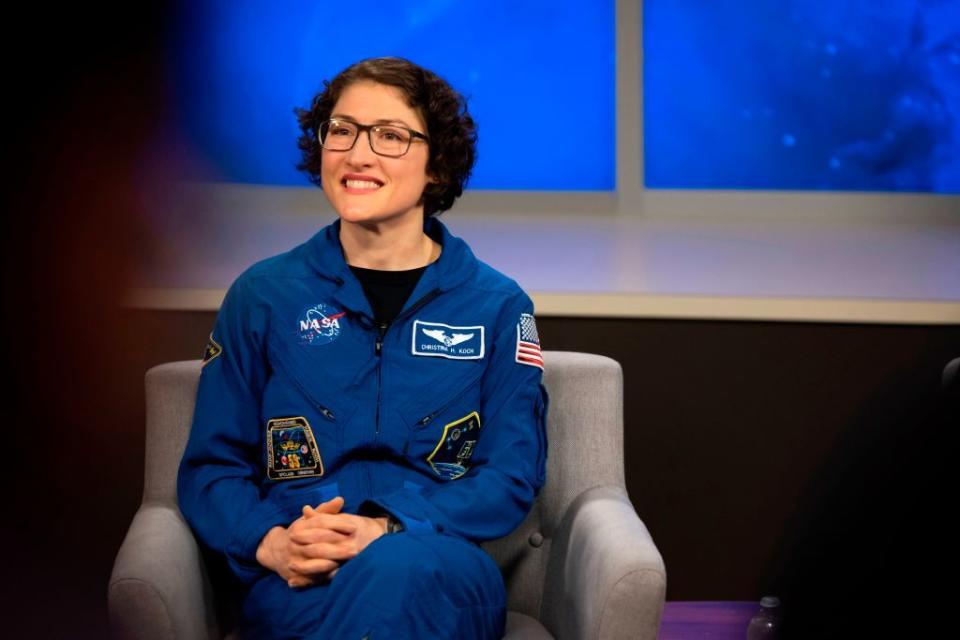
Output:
x=447 y=341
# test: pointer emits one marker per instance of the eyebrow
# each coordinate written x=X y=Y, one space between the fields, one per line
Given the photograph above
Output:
x=343 y=116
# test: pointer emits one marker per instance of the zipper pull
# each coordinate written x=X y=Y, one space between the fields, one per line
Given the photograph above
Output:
x=326 y=413
x=383 y=330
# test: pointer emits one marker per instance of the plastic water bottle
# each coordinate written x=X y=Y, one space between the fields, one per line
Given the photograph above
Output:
x=765 y=624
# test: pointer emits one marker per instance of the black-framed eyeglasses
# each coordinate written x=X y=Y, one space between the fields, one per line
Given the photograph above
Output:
x=389 y=140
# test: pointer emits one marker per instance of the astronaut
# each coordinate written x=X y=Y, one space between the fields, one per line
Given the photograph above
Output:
x=370 y=405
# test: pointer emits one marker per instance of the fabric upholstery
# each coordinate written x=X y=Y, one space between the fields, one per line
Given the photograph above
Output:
x=582 y=564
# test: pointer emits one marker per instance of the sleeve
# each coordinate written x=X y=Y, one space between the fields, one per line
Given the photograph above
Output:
x=218 y=481
x=509 y=463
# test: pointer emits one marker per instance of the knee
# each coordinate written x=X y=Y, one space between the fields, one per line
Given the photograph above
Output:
x=434 y=564
x=398 y=559
x=274 y=610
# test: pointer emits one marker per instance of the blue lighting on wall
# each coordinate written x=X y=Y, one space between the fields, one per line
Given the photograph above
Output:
x=538 y=75
x=860 y=95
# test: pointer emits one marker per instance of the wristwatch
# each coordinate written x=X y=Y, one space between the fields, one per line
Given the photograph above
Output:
x=393 y=525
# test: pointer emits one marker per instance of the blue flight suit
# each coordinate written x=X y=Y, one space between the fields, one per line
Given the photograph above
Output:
x=437 y=419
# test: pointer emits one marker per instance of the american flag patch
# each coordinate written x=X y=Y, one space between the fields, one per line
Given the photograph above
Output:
x=528 y=342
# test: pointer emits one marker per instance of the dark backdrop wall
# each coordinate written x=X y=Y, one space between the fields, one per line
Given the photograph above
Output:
x=82 y=91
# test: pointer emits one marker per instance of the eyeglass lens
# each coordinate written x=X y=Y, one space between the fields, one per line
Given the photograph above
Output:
x=339 y=135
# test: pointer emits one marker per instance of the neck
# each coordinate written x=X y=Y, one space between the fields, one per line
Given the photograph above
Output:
x=396 y=245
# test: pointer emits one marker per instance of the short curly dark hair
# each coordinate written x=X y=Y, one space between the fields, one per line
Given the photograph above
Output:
x=452 y=132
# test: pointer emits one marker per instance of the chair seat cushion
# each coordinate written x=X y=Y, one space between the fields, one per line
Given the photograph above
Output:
x=523 y=627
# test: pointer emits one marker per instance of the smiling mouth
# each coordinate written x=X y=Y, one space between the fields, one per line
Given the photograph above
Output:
x=361 y=185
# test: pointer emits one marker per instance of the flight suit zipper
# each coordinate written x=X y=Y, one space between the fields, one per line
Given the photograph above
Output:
x=378 y=348
x=379 y=353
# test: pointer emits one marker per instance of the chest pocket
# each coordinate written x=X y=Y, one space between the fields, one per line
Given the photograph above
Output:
x=443 y=436
x=309 y=392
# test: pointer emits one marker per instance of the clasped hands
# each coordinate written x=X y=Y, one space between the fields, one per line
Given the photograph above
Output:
x=314 y=546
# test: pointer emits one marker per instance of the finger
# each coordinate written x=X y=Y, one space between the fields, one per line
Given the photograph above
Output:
x=331 y=506
x=312 y=567
x=311 y=536
x=323 y=550
x=299 y=581
x=334 y=522
x=334 y=505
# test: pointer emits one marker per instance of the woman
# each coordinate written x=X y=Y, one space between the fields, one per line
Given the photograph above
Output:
x=370 y=403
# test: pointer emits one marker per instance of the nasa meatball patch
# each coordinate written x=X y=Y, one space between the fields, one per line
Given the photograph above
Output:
x=447 y=341
x=291 y=449
x=320 y=324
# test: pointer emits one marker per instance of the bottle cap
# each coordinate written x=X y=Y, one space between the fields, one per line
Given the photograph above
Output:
x=770 y=602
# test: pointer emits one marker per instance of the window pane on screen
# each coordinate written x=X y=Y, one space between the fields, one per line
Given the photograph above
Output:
x=805 y=94
x=533 y=72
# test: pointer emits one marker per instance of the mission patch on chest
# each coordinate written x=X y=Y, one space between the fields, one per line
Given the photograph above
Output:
x=292 y=450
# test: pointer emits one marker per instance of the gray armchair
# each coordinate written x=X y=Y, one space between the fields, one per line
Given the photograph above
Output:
x=582 y=565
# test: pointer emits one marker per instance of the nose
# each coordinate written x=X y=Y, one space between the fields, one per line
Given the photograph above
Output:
x=361 y=153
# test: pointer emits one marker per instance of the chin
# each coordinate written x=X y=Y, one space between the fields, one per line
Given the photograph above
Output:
x=367 y=216
x=361 y=216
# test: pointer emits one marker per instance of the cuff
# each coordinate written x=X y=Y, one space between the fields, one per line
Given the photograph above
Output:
x=403 y=508
x=241 y=550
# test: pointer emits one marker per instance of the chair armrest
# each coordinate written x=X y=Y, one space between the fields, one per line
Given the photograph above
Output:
x=605 y=577
x=159 y=588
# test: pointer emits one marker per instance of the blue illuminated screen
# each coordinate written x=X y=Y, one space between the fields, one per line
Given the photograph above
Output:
x=536 y=75
x=859 y=95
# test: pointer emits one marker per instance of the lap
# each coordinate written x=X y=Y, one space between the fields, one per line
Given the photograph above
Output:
x=402 y=585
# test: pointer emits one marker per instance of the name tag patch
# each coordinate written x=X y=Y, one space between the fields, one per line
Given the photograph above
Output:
x=291 y=450
x=447 y=341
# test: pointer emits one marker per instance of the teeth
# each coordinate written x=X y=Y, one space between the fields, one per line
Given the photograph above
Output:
x=362 y=184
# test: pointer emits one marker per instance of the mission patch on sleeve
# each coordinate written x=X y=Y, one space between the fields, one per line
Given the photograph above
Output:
x=211 y=351
x=455 y=447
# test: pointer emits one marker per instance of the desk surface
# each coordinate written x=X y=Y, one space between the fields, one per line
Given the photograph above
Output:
x=608 y=266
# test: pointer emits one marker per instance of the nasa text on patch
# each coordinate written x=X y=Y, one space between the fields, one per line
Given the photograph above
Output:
x=447 y=341
x=320 y=324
